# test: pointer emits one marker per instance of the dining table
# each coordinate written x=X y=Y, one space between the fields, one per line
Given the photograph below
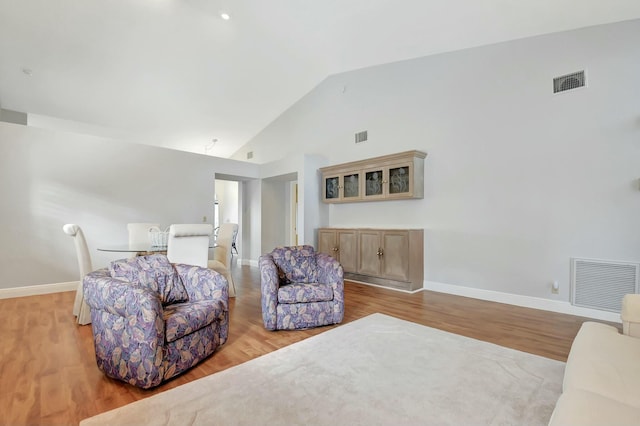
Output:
x=137 y=248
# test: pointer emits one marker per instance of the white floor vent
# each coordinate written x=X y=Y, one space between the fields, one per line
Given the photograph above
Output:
x=601 y=284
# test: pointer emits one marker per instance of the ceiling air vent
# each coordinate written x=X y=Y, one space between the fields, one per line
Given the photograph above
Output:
x=568 y=82
x=361 y=136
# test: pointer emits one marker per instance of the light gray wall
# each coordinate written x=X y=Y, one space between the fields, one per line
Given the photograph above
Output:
x=251 y=220
x=517 y=179
x=275 y=205
x=49 y=178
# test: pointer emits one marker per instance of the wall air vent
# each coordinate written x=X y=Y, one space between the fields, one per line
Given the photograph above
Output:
x=568 y=82
x=600 y=284
x=361 y=136
x=249 y=155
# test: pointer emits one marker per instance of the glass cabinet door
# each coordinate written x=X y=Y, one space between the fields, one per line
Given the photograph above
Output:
x=399 y=180
x=373 y=186
x=332 y=188
x=351 y=185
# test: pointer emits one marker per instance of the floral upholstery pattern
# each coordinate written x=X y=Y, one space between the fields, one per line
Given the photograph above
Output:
x=297 y=263
x=314 y=298
x=153 y=271
x=142 y=342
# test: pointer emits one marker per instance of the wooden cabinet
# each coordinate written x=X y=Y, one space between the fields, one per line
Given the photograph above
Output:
x=387 y=257
x=396 y=176
x=341 y=244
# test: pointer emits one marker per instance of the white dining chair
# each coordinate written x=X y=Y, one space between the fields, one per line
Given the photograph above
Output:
x=139 y=233
x=221 y=261
x=189 y=244
x=80 y=308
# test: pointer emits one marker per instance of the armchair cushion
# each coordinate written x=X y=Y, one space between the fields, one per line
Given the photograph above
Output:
x=298 y=264
x=154 y=272
x=305 y=293
x=182 y=319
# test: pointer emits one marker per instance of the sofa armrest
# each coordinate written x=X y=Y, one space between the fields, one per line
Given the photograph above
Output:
x=204 y=284
x=269 y=285
x=630 y=315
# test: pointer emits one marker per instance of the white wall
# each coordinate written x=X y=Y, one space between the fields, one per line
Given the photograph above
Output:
x=276 y=200
x=251 y=221
x=517 y=179
x=227 y=196
x=49 y=178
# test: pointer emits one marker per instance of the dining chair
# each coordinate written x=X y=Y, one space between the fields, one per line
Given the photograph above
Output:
x=233 y=240
x=222 y=254
x=139 y=235
x=139 y=232
x=189 y=244
x=80 y=308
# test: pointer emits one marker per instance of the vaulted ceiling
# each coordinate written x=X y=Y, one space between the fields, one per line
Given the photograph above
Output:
x=173 y=73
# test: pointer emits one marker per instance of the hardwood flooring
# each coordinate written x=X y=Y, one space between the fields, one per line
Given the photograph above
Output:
x=48 y=374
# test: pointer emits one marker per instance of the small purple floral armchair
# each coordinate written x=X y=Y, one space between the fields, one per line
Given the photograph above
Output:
x=153 y=320
x=300 y=289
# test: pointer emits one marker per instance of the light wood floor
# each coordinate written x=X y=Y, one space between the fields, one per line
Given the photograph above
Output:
x=48 y=373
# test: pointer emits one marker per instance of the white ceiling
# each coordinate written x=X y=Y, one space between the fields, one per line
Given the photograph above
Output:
x=173 y=73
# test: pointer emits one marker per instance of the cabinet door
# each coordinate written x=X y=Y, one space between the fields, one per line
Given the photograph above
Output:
x=327 y=242
x=331 y=188
x=369 y=249
x=374 y=183
x=348 y=250
x=395 y=255
x=351 y=186
x=400 y=181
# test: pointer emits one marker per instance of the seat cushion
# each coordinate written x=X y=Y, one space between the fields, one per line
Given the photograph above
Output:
x=297 y=263
x=604 y=362
x=154 y=272
x=182 y=319
x=305 y=293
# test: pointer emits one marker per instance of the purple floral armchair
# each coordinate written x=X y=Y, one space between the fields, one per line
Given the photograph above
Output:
x=152 y=320
x=300 y=289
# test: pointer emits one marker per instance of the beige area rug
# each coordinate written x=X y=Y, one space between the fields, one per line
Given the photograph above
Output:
x=378 y=370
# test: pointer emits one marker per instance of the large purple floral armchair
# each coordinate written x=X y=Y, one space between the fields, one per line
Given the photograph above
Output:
x=152 y=320
x=300 y=289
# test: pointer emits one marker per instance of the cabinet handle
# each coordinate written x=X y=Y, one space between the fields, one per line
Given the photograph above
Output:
x=380 y=253
x=335 y=249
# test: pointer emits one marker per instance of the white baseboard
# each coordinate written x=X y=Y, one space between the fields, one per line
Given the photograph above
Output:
x=34 y=290
x=248 y=262
x=525 y=301
x=384 y=286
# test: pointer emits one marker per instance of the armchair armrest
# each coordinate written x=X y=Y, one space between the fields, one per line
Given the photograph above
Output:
x=117 y=297
x=329 y=270
x=269 y=284
x=204 y=284
x=630 y=315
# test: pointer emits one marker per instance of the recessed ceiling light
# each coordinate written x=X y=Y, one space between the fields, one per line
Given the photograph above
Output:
x=225 y=16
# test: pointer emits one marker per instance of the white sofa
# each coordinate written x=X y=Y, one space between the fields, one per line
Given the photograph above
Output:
x=602 y=376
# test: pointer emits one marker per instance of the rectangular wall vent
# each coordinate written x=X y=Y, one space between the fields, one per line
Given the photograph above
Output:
x=601 y=284
x=568 y=82
x=361 y=136
x=249 y=155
